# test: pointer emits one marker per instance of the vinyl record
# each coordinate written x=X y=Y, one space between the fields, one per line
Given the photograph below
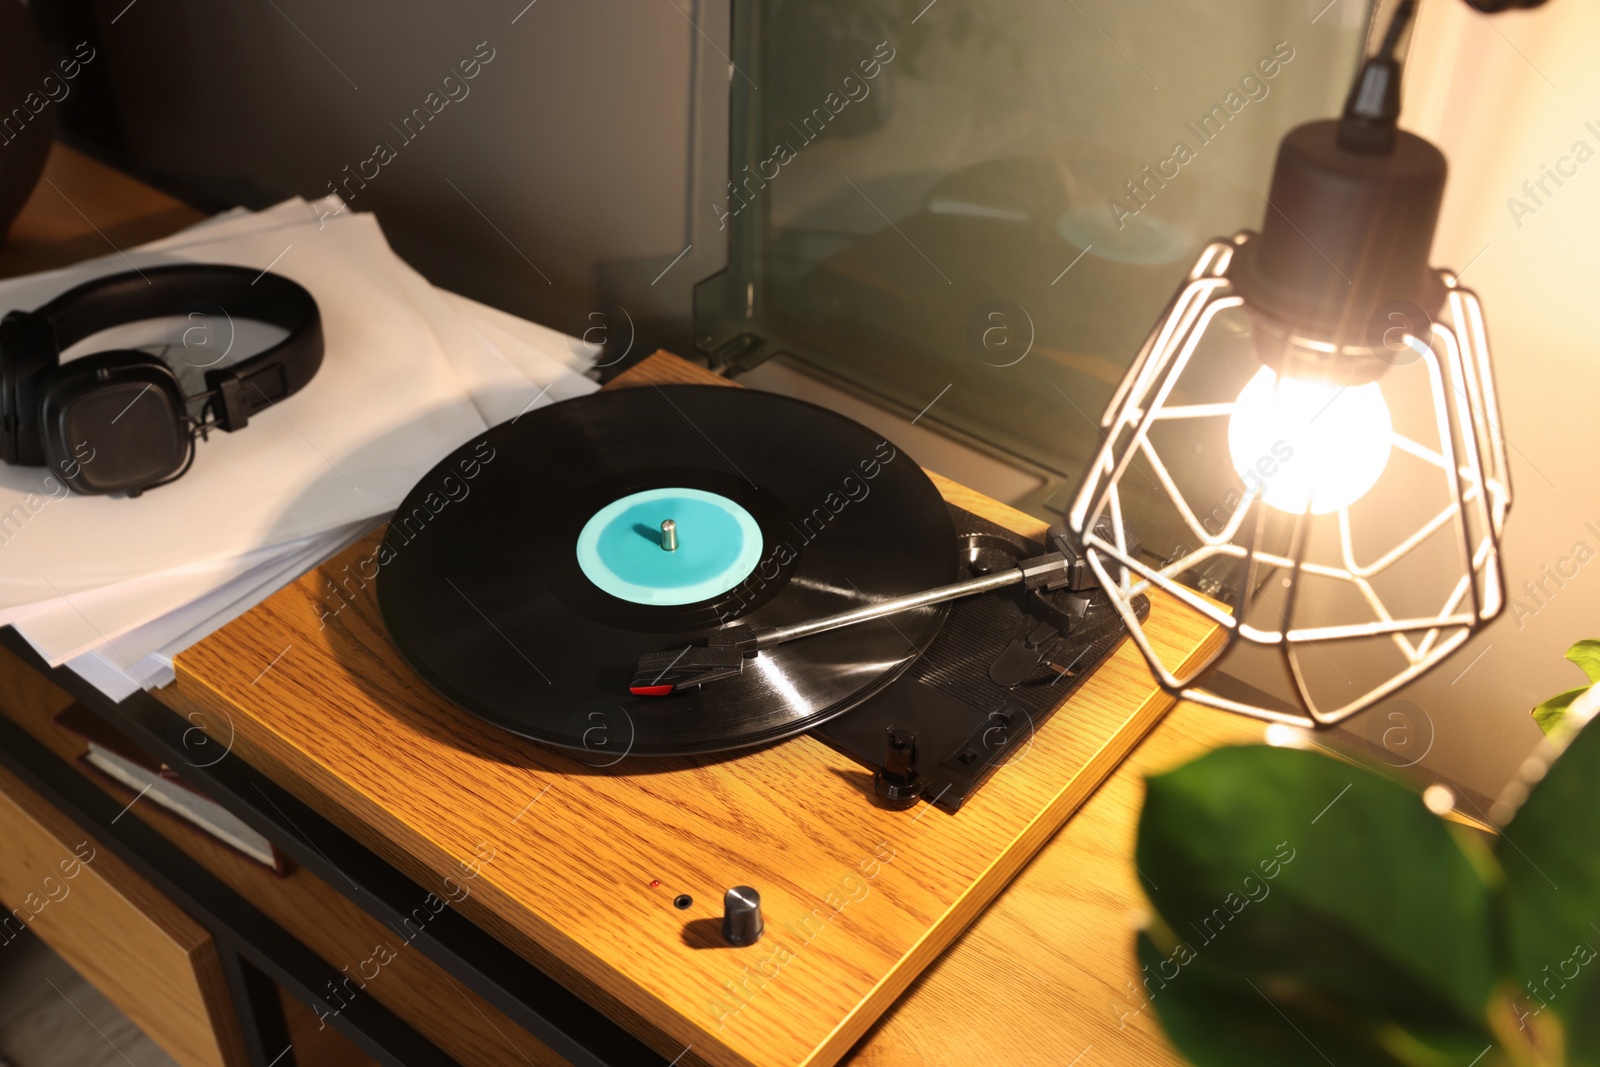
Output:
x=525 y=575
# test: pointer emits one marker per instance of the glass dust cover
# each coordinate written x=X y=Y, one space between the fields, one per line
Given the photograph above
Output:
x=997 y=196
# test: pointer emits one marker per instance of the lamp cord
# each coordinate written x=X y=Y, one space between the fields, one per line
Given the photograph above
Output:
x=1372 y=110
x=1397 y=25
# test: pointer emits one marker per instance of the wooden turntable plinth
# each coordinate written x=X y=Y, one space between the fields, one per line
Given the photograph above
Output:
x=578 y=867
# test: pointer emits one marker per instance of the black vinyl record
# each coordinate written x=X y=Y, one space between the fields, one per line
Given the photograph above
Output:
x=482 y=591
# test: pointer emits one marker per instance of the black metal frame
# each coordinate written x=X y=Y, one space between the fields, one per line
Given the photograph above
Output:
x=258 y=953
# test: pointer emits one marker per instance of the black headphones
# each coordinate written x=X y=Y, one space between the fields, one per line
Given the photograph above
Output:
x=118 y=421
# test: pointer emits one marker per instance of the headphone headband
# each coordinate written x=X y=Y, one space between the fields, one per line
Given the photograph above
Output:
x=242 y=389
x=125 y=410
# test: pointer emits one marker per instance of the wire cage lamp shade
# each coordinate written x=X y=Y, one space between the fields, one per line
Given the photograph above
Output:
x=1336 y=509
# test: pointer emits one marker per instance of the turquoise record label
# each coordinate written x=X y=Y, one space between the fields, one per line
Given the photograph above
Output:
x=620 y=549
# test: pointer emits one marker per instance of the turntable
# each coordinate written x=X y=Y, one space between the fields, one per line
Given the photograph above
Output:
x=689 y=569
x=668 y=644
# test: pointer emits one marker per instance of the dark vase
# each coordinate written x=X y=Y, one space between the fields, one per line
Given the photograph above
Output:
x=27 y=114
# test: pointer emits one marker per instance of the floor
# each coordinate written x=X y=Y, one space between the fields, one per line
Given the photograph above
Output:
x=50 y=1017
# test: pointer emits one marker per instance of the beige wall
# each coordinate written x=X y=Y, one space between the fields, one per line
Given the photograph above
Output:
x=1502 y=98
x=575 y=153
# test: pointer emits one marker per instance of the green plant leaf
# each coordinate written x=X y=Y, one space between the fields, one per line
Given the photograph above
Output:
x=1217 y=1018
x=1552 y=711
x=1297 y=871
x=1582 y=1021
x=1552 y=896
x=1586 y=655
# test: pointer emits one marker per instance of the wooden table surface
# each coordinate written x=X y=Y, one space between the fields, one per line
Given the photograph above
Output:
x=1045 y=976
x=82 y=209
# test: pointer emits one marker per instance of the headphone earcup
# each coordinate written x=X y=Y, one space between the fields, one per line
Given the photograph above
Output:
x=27 y=356
x=113 y=422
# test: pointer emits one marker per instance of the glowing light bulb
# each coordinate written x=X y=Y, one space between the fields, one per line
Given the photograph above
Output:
x=1299 y=440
